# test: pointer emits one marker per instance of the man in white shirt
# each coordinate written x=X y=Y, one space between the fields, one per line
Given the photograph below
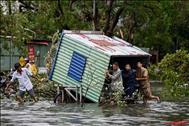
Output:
x=22 y=74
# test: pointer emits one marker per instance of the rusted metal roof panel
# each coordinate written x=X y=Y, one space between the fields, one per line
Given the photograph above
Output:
x=110 y=46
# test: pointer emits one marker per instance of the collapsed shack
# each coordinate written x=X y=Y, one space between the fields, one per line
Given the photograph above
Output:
x=83 y=57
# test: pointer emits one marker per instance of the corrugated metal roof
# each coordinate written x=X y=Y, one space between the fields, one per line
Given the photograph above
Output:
x=97 y=49
x=111 y=46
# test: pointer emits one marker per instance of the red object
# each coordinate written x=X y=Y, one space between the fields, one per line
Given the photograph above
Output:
x=177 y=123
x=31 y=52
x=103 y=42
x=39 y=43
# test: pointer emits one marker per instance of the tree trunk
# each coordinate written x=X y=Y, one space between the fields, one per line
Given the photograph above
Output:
x=115 y=20
x=9 y=7
x=60 y=8
x=130 y=35
x=25 y=4
x=71 y=3
x=108 y=17
x=95 y=16
x=132 y=24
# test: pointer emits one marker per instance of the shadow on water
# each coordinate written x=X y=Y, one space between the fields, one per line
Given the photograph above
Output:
x=48 y=114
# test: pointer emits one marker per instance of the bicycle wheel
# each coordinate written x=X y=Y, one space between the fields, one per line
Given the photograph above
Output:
x=58 y=98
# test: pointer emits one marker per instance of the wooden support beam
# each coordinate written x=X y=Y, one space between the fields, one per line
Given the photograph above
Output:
x=80 y=100
x=76 y=93
x=68 y=91
x=62 y=91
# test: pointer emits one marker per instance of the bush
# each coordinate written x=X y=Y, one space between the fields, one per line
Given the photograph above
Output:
x=117 y=96
x=44 y=88
x=173 y=71
x=154 y=72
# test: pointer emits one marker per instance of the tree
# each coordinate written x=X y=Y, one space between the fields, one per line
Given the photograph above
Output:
x=158 y=25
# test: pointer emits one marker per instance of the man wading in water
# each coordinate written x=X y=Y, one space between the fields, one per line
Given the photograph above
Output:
x=143 y=79
x=130 y=83
x=22 y=74
x=116 y=81
x=115 y=77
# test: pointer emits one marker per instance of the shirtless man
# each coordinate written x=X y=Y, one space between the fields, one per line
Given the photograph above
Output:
x=143 y=79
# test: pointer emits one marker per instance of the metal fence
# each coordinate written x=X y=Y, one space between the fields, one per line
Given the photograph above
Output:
x=7 y=62
x=10 y=56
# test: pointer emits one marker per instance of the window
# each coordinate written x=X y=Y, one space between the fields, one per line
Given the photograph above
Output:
x=77 y=66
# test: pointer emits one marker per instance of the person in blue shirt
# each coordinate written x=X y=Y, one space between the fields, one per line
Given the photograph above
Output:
x=130 y=83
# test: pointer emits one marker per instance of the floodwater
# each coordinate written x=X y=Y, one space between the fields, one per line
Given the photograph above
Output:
x=45 y=113
x=48 y=114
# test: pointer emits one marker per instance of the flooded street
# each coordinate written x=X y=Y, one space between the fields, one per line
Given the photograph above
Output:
x=48 y=114
x=94 y=62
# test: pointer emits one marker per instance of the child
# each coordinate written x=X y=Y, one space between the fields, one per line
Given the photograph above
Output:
x=22 y=74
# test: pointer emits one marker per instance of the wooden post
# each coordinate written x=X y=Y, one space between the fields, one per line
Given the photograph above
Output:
x=58 y=89
x=76 y=93
x=80 y=94
x=62 y=95
x=77 y=89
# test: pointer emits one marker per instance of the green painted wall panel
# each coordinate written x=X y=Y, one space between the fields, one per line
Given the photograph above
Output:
x=96 y=61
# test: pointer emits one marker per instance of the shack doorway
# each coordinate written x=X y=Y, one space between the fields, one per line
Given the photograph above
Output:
x=122 y=60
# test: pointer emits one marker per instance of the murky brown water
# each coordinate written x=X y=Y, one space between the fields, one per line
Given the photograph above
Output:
x=45 y=113
x=48 y=114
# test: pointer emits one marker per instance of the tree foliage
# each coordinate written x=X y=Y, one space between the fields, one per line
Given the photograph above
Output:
x=158 y=25
x=173 y=70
